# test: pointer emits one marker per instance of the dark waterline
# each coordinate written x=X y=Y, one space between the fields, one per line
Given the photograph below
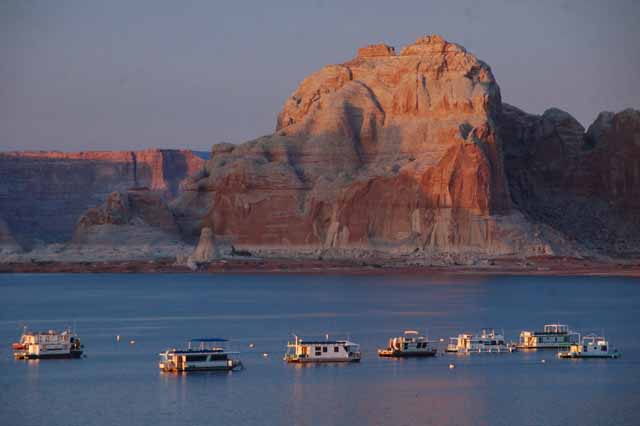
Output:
x=119 y=383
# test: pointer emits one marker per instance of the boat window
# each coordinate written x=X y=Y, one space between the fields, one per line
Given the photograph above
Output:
x=604 y=348
x=196 y=358
x=336 y=348
x=219 y=357
x=317 y=348
x=324 y=349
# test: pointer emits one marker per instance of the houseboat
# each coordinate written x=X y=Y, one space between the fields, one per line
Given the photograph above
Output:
x=307 y=351
x=200 y=355
x=48 y=344
x=590 y=346
x=488 y=341
x=411 y=344
x=553 y=336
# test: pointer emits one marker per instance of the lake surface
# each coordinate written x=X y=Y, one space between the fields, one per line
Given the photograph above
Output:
x=119 y=383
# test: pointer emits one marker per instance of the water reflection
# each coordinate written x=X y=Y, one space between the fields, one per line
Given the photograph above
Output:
x=121 y=383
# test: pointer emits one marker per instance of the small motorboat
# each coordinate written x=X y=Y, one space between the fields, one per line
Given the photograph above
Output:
x=591 y=346
x=207 y=355
x=411 y=344
x=307 y=351
x=552 y=336
x=47 y=344
x=488 y=341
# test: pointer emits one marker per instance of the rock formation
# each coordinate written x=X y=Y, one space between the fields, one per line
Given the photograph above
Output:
x=584 y=184
x=136 y=217
x=206 y=250
x=8 y=244
x=407 y=154
x=42 y=194
x=399 y=153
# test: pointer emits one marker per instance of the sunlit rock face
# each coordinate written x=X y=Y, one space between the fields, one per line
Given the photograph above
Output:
x=42 y=194
x=390 y=152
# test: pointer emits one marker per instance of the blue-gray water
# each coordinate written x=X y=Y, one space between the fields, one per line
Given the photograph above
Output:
x=119 y=383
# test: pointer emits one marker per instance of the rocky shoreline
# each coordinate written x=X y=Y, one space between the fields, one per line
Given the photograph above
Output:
x=563 y=266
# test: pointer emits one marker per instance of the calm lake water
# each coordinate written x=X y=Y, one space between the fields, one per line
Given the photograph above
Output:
x=118 y=383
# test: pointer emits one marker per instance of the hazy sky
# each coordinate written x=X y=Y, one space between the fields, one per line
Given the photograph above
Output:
x=85 y=75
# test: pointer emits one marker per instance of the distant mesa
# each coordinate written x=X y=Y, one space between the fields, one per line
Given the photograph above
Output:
x=43 y=194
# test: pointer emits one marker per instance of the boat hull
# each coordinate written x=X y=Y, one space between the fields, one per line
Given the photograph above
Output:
x=172 y=368
x=482 y=351
x=74 y=354
x=570 y=355
x=320 y=361
x=539 y=348
x=401 y=354
x=196 y=369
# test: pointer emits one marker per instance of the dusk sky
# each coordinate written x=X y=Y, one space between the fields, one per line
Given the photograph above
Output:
x=113 y=75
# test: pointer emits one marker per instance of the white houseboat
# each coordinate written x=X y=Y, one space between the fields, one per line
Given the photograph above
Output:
x=209 y=355
x=47 y=344
x=591 y=346
x=305 y=351
x=488 y=341
x=411 y=344
x=553 y=336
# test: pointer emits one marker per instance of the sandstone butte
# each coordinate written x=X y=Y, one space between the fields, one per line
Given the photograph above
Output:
x=415 y=153
x=411 y=154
